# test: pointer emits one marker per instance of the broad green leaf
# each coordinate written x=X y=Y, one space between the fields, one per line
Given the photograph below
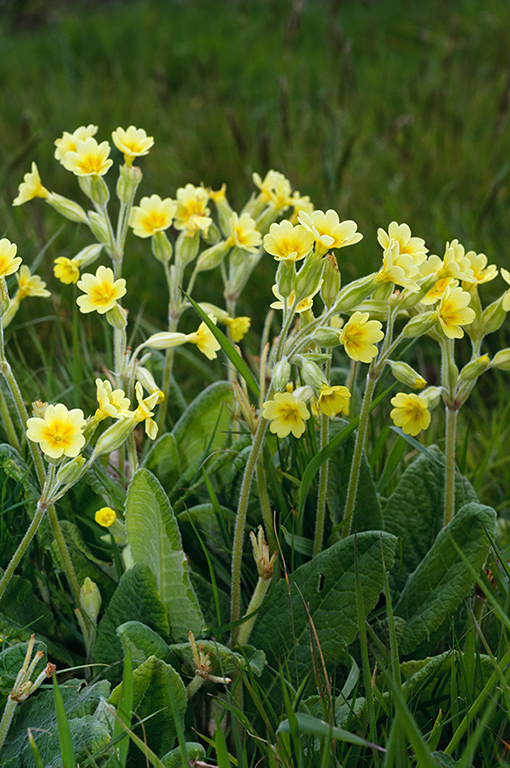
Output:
x=315 y=727
x=415 y=511
x=349 y=713
x=327 y=586
x=135 y=599
x=105 y=485
x=155 y=685
x=141 y=642
x=367 y=513
x=163 y=460
x=11 y=661
x=442 y=578
x=16 y=468
x=207 y=599
x=224 y=661
x=155 y=541
x=88 y=735
x=204 y=425
x=124 y=711
x=431 y=677
x=194 y=751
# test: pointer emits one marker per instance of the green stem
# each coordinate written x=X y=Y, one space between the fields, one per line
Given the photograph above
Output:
x=323 y=483
x=22 y=547
x=8 y=423
x=258 y=596
x=449 y=495
x=194 y=686
x=267 y=515
x=10 y=708
x=358 y=451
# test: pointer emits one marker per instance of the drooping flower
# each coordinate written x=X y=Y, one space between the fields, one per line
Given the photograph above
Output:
x=111 y=402
x=238 y=326
x=482 y=272
x=89 y=158
x=144 y=411
x=59 y=432
x=360 y=335
x=30 y=187
x=67 y=142
x=9 y=262
x=401 y=233
x=453 y=312
x=434 y=294
x=152 y=215
x=411 y=412
x=66 y=270
x=30 y=285
x=333 y=400
x=205 y=340
x=302 y=306
x=192 y=213
x=132 y=142
x=275 y=188
x=329 y=231
x=101 y=291
x=105 y=516
x=287 y=242
x=244 y=233
x=287 y=414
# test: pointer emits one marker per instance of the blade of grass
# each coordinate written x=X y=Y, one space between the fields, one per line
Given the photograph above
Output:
x=64 y=734
x=124 y=710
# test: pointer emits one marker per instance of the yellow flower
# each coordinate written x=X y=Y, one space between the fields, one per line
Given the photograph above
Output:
x=275 y=189
x=299 y=203
x=411 y=412
x=59 y=432
x=454 y=264
x=333 y=400
x=482 y=271
x=287 y=242
x=112 y=403
x=30 y=285
x=152 y=215
x=238 y=326
x=105 y=516
x=144 y=411
x=243 y=233
x=359 y=336
x=30 y=187
x=9 y=262
x=205 y=340
x=437 y=290
x=286 y=414
x=329 y=231
x=453 y=312
x=192 y=214
x=66 y=270
x=89 y=159
x=506 y=296
x=67 y=142
x=413 y=246
x=399 y=268
x=303 y=305
x=101 y=291
x=133 y=142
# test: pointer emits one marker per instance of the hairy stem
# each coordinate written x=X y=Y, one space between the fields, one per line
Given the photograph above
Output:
x=449 y=493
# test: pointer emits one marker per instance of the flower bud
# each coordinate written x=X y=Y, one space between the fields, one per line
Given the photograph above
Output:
x=304 y=394
x=406 y=375
x=432 y=395
x=212 y=257
x=67 y=208
x=326 y=337
x=223 y=208
x=113 y=437
x=161 y=247
x=331 y=280
x=452 y=374
x=70 y=471
x=221 y=315
x=311 y=374
x=186 y=248
x=501 y=360
x=474 y=368
x=39 y=409
x=117 y=317
x=90 y=599
x=99 y=227
x=378 y=310
x=166 y=340
x=99 y=192
x=105 y=517
x=88 y=255
x=309 y=277
x=4 y=296
x=129 y=178
x=85 y=183
x=420 y=324
x=285 y=278
x=281 y=375
x=493 y=316
x=353 y=293
x=212 y=235
x=383 y=292
x=146 y=379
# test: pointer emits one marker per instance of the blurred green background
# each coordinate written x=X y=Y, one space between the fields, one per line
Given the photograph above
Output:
x=382 y=110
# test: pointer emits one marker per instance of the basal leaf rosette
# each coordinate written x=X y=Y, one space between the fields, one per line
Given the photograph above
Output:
x=59 y=432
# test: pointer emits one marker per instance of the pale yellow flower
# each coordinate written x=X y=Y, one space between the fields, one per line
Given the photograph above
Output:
x=9 y=262
x=300 y=203
x=30 y=187
x=132 y=142
x=360 y=335
x=454 y=264
x=105 y=516
x=238 y=326
x=152 y=215
x=112 y=402
x=328 y=230
x=482 y=272
x=59 y=432
x=506 y=296
x=30 y=285
x=399 y=268
x=303 y=306
x=333 y=400
x=286 y=414
x=411 y=412
x=453 y=312
x=287 y=242
x=275 y=188
x=244 y=233
x=67 y=142
x=101 y=291
x=192 y=214
x=413 y=246
x=437 y=290
x=89 y=159
x=66 y=270
x=144 y=411
x=205 y=340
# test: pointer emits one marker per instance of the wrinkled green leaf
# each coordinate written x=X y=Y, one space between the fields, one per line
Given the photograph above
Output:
x=442 y=578
x=163 y=460
x=173 y=759
x=224 y=661
x=155 y=541
x=141 y=641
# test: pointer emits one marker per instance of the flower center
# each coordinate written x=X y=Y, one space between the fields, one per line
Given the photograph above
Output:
x=103 y=294
x=91 y=164
x=155 y=221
